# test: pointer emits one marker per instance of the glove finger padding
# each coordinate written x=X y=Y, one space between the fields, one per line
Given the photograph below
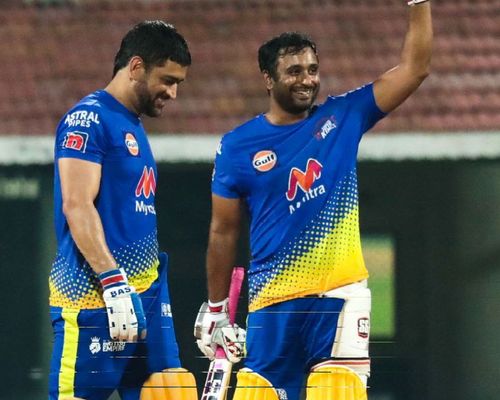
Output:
x=139 y=315
x=126 y=316
x=207 y=350
x=231 y=339
x=213 y=329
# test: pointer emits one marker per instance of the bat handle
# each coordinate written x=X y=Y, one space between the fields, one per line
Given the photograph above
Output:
x=220 y=353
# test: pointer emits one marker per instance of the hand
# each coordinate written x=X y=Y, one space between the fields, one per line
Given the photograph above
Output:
x=126 y=318
x=213 y=328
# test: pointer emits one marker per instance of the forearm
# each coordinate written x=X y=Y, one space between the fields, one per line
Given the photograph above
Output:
x=221 y=256
x=417 y=48
x=87 y=232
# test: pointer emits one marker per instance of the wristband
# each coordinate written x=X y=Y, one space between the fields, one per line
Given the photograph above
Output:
x=113 y=278
x=217 y=306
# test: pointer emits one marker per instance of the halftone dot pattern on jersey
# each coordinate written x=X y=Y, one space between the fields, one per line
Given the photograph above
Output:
x=78 y=287
x=326 y=253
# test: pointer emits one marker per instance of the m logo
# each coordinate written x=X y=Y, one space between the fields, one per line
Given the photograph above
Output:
x=301 y=179
x=147 y=183
x=76 y=141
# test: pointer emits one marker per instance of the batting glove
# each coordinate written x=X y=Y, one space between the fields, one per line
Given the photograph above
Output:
x=213 y=328
x=126 y=318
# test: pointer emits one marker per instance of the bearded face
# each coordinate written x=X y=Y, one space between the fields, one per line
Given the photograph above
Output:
x=297 y=82
x=157 y=86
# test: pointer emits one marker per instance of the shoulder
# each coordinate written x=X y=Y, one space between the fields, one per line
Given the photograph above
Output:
x=353 y=94
x=242 y=134
x=88 y=112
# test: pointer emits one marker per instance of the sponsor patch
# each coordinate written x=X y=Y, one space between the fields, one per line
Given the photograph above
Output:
x=325 y=128
x=131 y=143
x=363 y=327
x=76 y=141
x=147 y=183
x=95 y=345
x=264 y=160
x=303 y=180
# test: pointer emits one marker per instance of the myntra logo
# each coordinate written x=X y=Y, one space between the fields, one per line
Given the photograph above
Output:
x=304 y=180
x=147 y=183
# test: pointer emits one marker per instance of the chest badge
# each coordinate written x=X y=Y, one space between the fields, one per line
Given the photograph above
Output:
x=264 y=160
x=131 y=143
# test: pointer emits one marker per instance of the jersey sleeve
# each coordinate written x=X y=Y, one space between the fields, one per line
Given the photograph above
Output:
x=362 y=101
x=224 y=178
x=80 y=134
x=360 y=105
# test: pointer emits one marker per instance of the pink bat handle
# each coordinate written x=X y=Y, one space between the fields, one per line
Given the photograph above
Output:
x=234 y=295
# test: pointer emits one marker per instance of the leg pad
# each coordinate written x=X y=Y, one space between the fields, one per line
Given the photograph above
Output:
x=170 y=384
x=335 y=382
x=252 y=386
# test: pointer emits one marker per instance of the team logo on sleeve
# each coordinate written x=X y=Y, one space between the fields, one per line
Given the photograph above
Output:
x=325 y=128
x=76 y=141
x=264 y=160
x=131 y=143
x=305 y=181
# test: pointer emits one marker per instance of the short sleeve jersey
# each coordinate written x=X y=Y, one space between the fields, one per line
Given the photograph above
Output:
x=101 y=130
x=300 y=186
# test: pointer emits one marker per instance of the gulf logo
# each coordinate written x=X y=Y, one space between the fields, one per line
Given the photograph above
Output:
x=131 y=144
x=264 y=160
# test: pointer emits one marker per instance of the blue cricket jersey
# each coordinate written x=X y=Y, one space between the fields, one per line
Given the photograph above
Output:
x=99 y=129
x=300 y=186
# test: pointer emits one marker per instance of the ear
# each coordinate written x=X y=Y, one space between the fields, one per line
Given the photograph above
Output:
x=136 y=68
x=268 y=80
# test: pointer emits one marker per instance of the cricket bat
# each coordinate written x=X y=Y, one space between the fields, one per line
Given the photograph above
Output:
x=219 y=372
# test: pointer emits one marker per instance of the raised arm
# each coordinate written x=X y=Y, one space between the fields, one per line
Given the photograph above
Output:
x=222 y=244
x=395 y=85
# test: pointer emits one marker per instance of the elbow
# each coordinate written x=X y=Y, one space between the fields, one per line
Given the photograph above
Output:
x=422 y=75
x=72 y=207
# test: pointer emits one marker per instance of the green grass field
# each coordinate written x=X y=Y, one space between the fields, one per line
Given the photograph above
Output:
x=379 y=257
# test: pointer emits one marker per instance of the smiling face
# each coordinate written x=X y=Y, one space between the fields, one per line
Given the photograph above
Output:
x=158 y=85
x=296 y=83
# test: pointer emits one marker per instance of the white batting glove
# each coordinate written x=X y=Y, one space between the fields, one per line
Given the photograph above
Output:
x=213 y=328
x=126 y=318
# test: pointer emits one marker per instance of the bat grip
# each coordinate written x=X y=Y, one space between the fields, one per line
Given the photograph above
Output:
x=234 y=295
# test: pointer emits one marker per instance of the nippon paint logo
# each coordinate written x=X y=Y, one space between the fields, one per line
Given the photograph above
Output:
x=76 y=141
x=131 y=143
x=305 y=181
x=264 y=160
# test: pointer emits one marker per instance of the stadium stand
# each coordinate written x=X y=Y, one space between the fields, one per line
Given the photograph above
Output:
x=55 y=51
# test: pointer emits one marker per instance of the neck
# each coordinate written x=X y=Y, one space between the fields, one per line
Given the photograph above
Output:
x=123 y=93
x=277 y=116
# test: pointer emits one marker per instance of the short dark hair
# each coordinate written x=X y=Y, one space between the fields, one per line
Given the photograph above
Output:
x=286 y=43
x=155 y=42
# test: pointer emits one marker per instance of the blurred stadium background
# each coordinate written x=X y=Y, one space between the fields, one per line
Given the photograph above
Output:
x=429 y=177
